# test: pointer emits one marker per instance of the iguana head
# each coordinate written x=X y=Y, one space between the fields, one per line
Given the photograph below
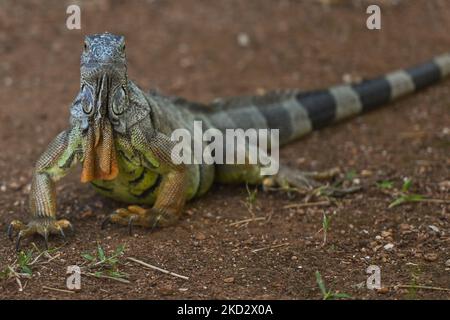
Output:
x=103 y=99
x=104 y=91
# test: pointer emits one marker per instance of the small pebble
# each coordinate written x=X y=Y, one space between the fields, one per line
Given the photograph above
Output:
x=383 y=290
x=243 y=39
x=388 y=246
x=430 y=257
x=228 y=280
x=166 y=290
x=366 y=173
x=14 y=185
x=200 y=236
x=444 y=185
x=386 y=234
x=434 y=228
x=86 y=214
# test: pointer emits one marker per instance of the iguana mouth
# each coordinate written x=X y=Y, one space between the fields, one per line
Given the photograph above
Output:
x=100 y=161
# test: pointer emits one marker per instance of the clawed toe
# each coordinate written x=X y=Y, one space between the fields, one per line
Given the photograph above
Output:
x=133 y=215
x=43 y=226
x=137 y=216
x=289 y=179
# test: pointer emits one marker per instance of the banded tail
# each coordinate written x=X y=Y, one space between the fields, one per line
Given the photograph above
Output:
x=297 y=113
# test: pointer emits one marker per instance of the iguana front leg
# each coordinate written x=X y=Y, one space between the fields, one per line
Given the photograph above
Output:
x=171 y=195
x=55 y=162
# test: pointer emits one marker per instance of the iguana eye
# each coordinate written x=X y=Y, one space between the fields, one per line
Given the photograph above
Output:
x=86 y=47
x=119 y=101
x=87 y=101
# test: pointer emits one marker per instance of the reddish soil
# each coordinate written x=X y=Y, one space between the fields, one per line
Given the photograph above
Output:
x=190 y=48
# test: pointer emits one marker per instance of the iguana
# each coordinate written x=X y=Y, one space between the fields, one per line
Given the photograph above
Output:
x=121 y=137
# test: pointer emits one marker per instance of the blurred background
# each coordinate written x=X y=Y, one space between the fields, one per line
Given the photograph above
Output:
x=202 y=49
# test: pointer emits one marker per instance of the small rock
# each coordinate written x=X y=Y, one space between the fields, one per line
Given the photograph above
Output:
x=386 y=234
x=200 y=236
x=228 y=280
x=447 y=263
x=444 y=185
x=405 y=228
x=366 y=173
x=430 y=257
x=434 y=228
x=388 y=247
x=294 y=258
x=373 y=244
x=15 y=186
x=98 y=204
x=351 y=78
x=2 y=188
x=243 y=39
x=166 y=290
x=383 y=290
x=86 y=214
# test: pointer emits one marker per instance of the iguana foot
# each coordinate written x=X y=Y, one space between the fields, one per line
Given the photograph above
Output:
x=44 y=226
x=288 y=178
x=292 y=178
x=138 y=216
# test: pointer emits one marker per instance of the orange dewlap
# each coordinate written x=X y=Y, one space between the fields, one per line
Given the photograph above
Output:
x=100 y=161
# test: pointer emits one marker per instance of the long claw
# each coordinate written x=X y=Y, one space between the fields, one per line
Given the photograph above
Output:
x=10 y=232
x=63 y=235
x=46 y=240
x=155 y=223
x=105 y=222
x=19 y=237
x=130 y=225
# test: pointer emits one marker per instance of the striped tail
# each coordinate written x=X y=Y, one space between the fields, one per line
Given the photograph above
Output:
x=296 y=113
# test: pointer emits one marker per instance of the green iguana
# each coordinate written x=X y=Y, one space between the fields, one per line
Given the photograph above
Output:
x=121 y=136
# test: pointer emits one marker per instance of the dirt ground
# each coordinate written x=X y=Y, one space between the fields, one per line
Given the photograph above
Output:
x=192 y=48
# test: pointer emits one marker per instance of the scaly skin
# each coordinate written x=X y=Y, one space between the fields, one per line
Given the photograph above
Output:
x=114 y=136
x=120 y=135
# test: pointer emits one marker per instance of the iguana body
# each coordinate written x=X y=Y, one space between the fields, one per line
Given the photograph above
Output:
x=121 y=136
